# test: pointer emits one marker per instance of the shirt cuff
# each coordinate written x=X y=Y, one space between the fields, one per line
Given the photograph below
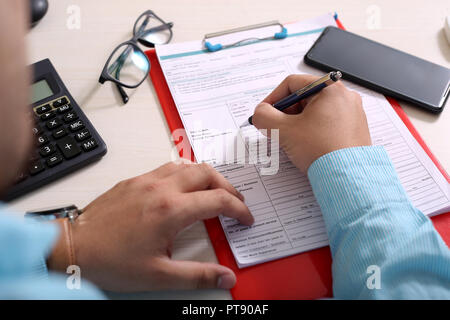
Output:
x=349 y=182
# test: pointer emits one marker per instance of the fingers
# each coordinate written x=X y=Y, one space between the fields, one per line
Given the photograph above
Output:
x=194 y=275
x=290 y=84
x=201 y=177
x=164 y=170
x=207 y=204
x=295 y=109
x=267 y=117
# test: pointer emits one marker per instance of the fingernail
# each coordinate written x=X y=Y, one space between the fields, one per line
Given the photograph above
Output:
x=241 y=196
x=226 y=281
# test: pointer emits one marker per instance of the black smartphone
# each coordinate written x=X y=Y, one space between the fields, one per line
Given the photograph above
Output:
x=381 y=68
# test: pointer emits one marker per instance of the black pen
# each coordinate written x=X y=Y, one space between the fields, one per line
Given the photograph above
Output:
x=303 y=93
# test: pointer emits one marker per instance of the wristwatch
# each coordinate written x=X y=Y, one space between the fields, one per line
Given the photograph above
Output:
x=70 y=211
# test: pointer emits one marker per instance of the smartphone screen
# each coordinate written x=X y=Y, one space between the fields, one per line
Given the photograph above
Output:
x=382 y=68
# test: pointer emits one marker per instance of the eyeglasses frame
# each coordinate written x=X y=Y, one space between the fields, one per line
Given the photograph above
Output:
x=133 y=42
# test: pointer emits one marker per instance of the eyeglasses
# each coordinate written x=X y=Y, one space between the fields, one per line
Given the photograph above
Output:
x=128 y=66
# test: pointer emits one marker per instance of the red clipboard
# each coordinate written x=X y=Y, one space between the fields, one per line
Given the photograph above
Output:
x=303 y=276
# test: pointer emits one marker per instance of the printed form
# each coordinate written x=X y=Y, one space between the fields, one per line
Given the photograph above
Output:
x=216 y=92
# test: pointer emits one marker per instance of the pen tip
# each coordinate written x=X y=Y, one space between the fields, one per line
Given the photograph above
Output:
x=245 y=124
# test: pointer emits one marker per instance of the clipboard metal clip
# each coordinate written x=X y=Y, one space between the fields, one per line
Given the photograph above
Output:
x=216 y=47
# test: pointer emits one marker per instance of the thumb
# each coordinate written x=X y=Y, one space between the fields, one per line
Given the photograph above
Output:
x=267 y=117
x=197 y=275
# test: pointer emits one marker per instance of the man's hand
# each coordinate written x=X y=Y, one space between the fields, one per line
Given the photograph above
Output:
x=123 y=239
x=331 y=120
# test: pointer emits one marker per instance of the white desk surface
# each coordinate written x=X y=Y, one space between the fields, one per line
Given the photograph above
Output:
x=137 y=136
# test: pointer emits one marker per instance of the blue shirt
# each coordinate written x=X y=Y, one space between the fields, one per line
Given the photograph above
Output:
x=373 y=227
x=23 y=272
x=370 y=221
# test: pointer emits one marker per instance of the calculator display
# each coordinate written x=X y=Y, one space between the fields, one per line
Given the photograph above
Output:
x=40 y=90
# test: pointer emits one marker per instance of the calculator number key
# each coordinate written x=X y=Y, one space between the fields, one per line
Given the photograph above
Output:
x=41 y=140
x=47 y=150
x=37 y=129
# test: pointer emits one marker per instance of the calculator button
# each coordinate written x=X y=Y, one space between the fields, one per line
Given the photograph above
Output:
x=82 y=135
x=37 y=129
x=52 y=124
x=48 y=115
x=60 y=102
x=57 y=134
x=36 y=168
x=64 y=108
x=54 y=160
x=43 y=109
x=89 y=145
x=47 y=150
x=68 y=147
x=70 y=116
x=77 y=125
x=42 y=139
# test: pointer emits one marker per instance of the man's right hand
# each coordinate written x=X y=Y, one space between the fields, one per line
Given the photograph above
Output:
x=331 y=120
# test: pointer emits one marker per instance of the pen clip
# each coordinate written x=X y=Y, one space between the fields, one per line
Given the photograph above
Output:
x=332 y=76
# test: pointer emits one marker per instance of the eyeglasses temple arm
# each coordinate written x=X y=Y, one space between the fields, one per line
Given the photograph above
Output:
x=143 y=25
x=122 y=93
x=164 y=26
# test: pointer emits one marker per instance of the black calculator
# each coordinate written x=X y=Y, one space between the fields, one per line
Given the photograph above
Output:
x=65 y=139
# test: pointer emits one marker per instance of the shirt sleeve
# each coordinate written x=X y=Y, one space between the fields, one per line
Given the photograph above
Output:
x=382 y=246
x=24 y=247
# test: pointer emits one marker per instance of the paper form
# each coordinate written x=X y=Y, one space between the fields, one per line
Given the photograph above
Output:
x=216 y=92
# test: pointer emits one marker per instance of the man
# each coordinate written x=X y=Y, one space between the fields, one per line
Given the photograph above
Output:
x=122 y=241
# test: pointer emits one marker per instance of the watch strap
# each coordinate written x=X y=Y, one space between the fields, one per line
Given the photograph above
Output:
x=63 y=254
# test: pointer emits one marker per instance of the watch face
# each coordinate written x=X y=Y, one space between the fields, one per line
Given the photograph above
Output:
x=73 y=214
